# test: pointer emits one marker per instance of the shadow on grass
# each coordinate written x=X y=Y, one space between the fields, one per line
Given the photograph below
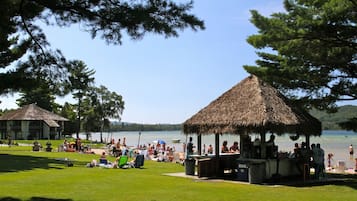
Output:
x=9 y=199
x=33 y=199
x=48 y=199
x=349 y=180
x=14 y=163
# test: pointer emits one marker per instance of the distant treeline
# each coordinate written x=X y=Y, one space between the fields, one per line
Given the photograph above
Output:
x=116 y=126
x=329 y=121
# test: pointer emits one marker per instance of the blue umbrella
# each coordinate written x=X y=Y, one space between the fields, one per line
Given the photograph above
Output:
x=161 y=142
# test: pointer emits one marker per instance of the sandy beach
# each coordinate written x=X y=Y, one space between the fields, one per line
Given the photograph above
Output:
x=335 y=142
x=98 y=151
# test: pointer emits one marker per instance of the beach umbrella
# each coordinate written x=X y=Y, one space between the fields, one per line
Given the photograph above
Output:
x=159 y=142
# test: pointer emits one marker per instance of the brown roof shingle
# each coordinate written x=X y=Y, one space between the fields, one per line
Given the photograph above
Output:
x=31 y=112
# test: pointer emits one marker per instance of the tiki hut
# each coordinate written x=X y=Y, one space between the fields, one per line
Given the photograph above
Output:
x=31 y=122
x=251 y=106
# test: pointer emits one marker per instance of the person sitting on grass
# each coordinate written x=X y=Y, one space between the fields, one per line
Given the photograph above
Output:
x=103 y=159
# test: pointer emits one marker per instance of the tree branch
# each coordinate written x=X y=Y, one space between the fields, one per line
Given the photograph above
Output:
x=28 y=30
x=353 y=2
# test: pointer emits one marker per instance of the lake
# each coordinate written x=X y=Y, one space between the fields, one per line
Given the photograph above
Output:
x=336 y=142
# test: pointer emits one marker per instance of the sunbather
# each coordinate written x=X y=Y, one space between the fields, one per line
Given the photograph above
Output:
x=103 y=158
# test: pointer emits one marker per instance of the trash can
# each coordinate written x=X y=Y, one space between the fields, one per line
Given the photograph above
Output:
x=242 y=171
x=190 y=166
x=256 y=173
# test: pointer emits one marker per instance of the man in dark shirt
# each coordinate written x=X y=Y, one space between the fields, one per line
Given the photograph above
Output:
x=189 y=148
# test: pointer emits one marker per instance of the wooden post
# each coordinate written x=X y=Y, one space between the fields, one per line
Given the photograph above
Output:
x=241 y=136
x=217 y=150
x=199 y=144
x=263 y=147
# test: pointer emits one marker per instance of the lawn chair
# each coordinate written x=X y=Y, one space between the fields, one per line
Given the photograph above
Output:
x=139 y=161
x=123 y=162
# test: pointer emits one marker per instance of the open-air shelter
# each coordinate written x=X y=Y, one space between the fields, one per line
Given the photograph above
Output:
x=31 y=122
x=251 y=107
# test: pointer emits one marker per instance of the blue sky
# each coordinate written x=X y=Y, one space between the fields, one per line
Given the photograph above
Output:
x=169 y=80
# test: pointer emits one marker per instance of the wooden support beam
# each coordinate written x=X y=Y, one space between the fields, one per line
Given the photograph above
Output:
x=199 y=144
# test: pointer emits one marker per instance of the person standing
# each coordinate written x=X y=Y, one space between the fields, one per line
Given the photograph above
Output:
x=271 y=149
x=189 y=148
x=124 y=141
x=351 y=151
x=320 y=162
x=9 y=140
x=210 y=149
x=304 y=160
x=329 y=158
x=296 y=151
x=313 y=158
x=65 y=145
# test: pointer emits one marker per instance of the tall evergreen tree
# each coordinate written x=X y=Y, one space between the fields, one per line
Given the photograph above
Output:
x=309 y=52
x=42 y=96
x=80 y=80
x=69 y=111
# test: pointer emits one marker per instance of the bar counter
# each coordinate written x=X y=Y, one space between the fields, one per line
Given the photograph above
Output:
x=245 y=169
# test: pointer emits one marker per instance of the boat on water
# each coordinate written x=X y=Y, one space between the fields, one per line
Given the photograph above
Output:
x=176 y=140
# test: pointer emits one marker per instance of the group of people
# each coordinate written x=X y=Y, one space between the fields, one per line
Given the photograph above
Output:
x=119 y=148
x=313 y=157
x=318 y=160
x=72 y=146
x=232 y=149
x=155 y=151
x=161 y=152
x=117 y=163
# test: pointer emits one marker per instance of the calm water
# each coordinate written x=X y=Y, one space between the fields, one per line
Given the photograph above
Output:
x=336 y=142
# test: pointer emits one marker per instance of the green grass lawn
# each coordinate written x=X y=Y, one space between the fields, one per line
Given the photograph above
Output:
x=37 y=176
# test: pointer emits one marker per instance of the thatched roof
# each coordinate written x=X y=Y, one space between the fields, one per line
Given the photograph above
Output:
x=252 y=106
x=32 y=112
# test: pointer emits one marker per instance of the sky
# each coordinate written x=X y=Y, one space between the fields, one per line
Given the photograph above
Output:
x=169 y=80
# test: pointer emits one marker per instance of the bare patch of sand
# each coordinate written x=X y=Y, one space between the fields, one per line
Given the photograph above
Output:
x=98 y=151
